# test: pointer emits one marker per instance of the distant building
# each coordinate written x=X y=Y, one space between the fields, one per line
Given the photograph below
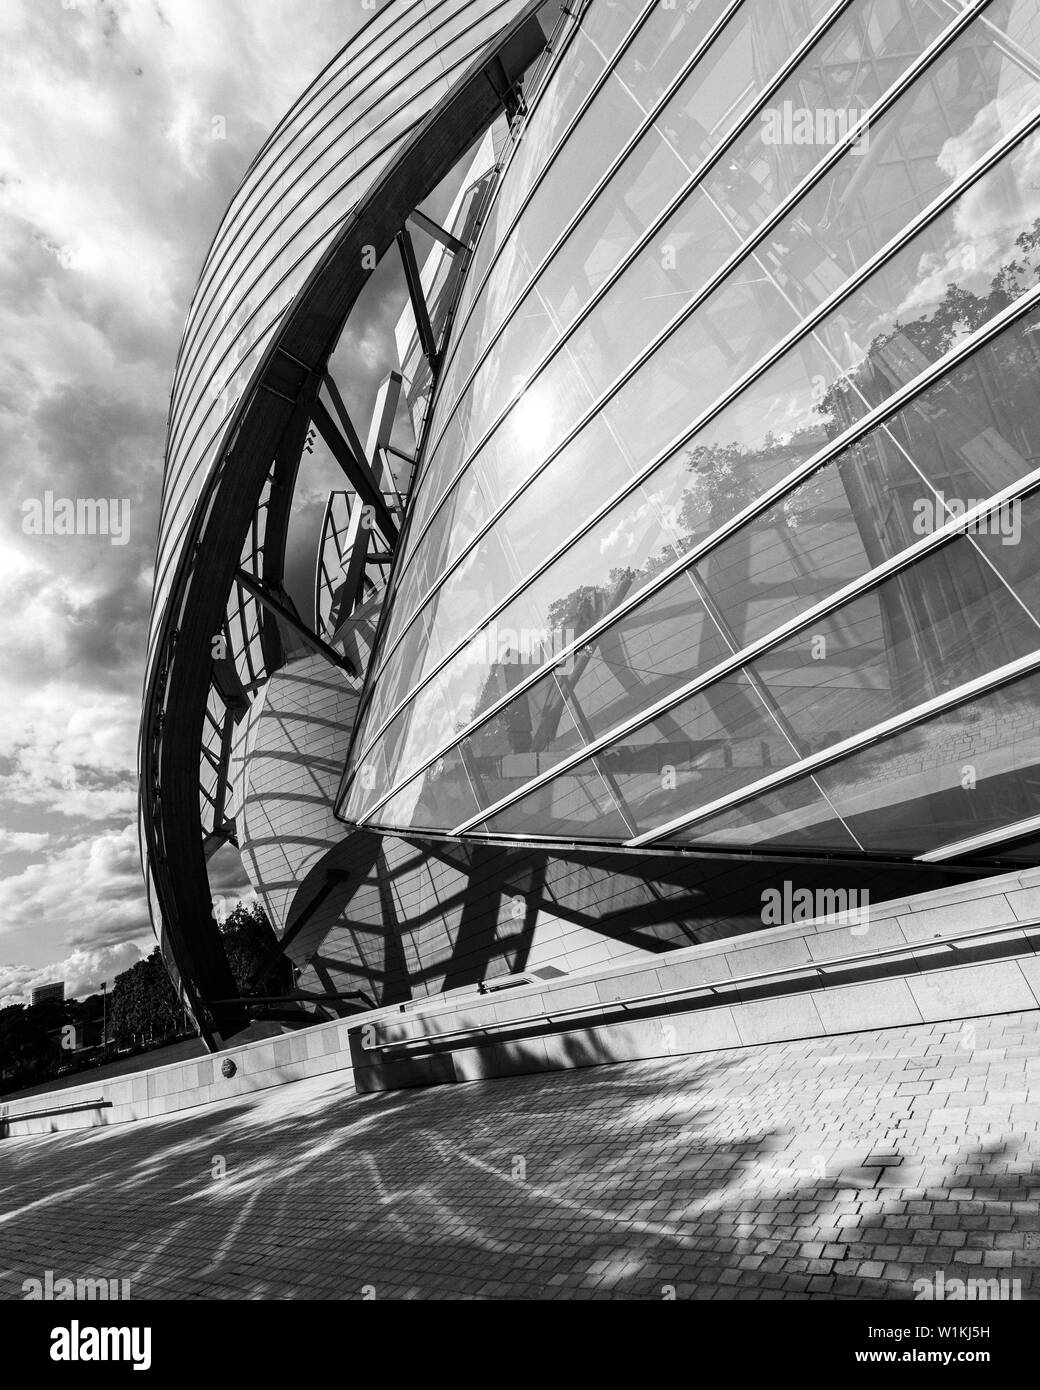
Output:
x=46 y=994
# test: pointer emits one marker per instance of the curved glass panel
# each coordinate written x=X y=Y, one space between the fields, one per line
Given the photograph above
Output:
x=962 y=773
x=622 y=500
x=319 y=161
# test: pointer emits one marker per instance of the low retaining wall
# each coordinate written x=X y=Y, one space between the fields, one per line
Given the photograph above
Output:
x=183 y=1085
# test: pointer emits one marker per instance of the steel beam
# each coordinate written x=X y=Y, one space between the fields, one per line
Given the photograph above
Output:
x=417 y=295
x=434 y=229
x=350 y=456
x=287 y=616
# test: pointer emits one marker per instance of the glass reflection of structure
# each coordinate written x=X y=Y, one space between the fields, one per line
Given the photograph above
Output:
x=700 y=550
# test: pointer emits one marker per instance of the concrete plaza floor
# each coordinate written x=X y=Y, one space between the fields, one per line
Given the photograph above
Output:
x=849 y=1167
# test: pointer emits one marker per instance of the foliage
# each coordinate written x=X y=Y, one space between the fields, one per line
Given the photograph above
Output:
x=26 y=1048
x=248 y=941
x=143 y=1003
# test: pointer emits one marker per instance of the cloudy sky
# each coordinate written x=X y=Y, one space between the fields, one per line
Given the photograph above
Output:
x=111 y=186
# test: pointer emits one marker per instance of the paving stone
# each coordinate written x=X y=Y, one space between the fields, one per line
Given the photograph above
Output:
x=814 y=1168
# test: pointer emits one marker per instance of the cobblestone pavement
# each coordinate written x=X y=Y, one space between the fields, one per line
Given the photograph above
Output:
x=835 y=1168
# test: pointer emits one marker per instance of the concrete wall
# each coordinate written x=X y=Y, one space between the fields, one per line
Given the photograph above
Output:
x=184 y=1085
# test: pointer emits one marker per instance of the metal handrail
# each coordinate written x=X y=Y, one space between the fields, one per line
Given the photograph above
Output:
x=7 y=1118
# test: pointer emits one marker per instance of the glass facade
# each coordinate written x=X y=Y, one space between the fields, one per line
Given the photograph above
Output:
x=327 y=151
x=722 y=532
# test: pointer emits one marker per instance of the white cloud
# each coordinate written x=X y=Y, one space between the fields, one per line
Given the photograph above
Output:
x=82 y=971
x=93 y=886
x=111 y=187
x=225 y=903
x=22 y=841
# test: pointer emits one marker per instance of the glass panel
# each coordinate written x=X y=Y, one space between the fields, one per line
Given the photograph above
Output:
x=812 y=542
x=645 y=657
x=696 y=240
x=1003 y=537
x=438 y=799
x=797 y=816
x=978 y=247
x=637 y=84
x=579 y=803
x=961 y=249
x=527 y=737
x=944 y=621
x=463 y=516
x=406 y=663
x=704 y=748
x=837 y=525
x=626 y=669
x=595 y=689
x=445 y=706
x=701 y=749
x=370 y=783
x=590 y=52
x=961 y=774
x=615 y=113
x=742 y=325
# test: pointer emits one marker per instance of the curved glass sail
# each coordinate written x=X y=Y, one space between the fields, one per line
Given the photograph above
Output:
x=722 y=530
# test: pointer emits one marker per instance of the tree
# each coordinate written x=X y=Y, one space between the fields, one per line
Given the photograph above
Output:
x=248 y=941
x=27 y=1051
x=144 y=1004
